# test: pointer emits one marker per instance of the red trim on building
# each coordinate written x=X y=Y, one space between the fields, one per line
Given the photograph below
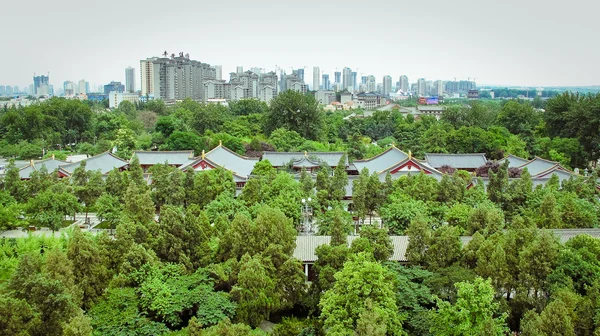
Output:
x=411 y=166
x=203 y=164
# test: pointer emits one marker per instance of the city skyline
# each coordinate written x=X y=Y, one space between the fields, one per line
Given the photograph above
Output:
x=519 y=43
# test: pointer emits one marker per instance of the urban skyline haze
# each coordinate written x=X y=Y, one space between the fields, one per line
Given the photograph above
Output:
x=521 y=43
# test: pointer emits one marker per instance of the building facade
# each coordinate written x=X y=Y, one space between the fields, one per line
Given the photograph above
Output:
x=114 y=87
x=326 y=82
x=130 y=79
x=179 y=77
x=115 y=98
x=404 y=86
x=316 y=78
x=387 y=85
x=147 y=76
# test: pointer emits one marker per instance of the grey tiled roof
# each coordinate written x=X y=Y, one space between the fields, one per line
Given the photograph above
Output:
x=513 y=161
x=104 y=163
x=382 y=161
x=50 y=164
x=227 y=159
x=538 y=165
x=458 y=161
x=306 y=245
x=174 y=158
x=280 y=159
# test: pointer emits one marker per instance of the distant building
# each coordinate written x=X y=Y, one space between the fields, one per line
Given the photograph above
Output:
x=369 y=100
x=179 y=77
x=68 y=88
x=239 y=69
x=147 y=76
x=345 y=97
x=41 y=85
x=300 y=74
x=337 y=76
x=473 y=94
x=404 y=86
x=354 y=80
x=372 y=84
x=114 y=87
x=421 y=87
x=326 y=82
x=83 y=87
x=130 y=79
x=316 y=78
x=387 y=85
x=347 y=83
x=325 y=97
x=115 y=98
x=97 y=97
x=218 y=72
x=438 y=88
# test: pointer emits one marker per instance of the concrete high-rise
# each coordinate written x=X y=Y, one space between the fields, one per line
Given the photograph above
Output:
x=179 y=77
x=300 y=74
x=239 y=69
x=130 y=79
x=219 y=72
x=41 y=85
x=347 y=79
x=371 y=84
x=316 y=78
x=68 y=88
x=354 y=80
x=83 y=87
x=337 y=76
x=387 y=85
x=326 y=82
x=404 y=86
x=114 y=87
x=421 y=87
x=147 y=76
x=438 y=88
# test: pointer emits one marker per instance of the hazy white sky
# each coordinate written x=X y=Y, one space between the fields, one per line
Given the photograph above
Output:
x=526 y=42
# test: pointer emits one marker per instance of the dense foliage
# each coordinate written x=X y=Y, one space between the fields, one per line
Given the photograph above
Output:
x=190 y=257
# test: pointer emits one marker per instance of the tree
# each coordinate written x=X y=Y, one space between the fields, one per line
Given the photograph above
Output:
x=472 y=314
x=419 y=238
x=12 y=182
x=379 y=240
x=295 y=111
x=247 y=106
x=367 y=194
x=80 y=325
x=108 y=209
x=445 y=248
x=167 y=185
x=17 y=317
x=88 y=185
x=307 y=183
x=254 y=292
x=117 y=314
x=209 y=184
x=361 y=285
x=138 y=205
x=89 y=267
x=286 y=141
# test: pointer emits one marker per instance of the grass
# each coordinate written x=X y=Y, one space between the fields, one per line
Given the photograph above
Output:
x=103 y=225
x=66 y=222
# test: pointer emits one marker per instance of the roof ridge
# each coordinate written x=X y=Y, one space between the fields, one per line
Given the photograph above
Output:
x=382 y=153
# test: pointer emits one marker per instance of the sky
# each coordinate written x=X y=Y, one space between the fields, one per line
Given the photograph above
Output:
x=521 y=43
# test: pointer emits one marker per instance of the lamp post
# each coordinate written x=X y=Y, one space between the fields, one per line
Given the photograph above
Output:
x=306 y=215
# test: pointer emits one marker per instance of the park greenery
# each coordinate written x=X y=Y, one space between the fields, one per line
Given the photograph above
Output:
x=189 y=257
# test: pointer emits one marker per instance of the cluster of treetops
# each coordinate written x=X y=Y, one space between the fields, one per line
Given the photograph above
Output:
x=566 y=132
x=190 y=258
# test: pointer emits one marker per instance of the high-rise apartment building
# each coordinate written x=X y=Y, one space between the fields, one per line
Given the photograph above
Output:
x=114 y=87
x=130 y=79
x=239 y=69
x=364 y=79
x=347 y=79
x=404 y=86
x=219 y=72
x=179 y=77
x=421 y=87
x=387 y=85
x=300 y=74
x=316 y=78
x=68 y=88
x=438 y=88
x=354 y=80
x=83 y=87
x=326 y=82
x=337 y=76
x=371 y=84
x=147 y=76
x=41 y=85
